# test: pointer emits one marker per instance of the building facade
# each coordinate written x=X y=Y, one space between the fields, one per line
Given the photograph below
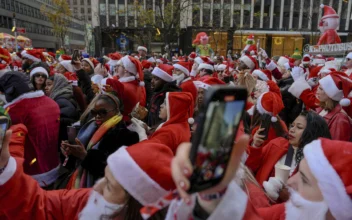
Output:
x=280 y=25
x=38 y=27
x=81 y=9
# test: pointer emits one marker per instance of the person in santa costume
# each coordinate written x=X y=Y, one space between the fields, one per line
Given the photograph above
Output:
x=332 y=95
x=162 y=82
x=41 y=116
x=142 y=53
x=268 y=106
x=320 y=190
x=247 y=80
x=131 y=76
x=181 y=74
x=250 y=46
x=202 y=68
x=130 y=182
x=203 y=86
x=147 y=71
x=328 y=25
x=29 y=57
x=113 y=62
x=176 y=113
x=38 y=76
x=5 y=61
x=247 y=64
x=348 y=65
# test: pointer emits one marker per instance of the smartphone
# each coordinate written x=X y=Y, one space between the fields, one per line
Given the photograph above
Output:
x=215 y=134
x=266 y=123
x=75 y=56
x=71 y=134
x=4 y=125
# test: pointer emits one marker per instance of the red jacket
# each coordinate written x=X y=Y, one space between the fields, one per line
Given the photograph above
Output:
x=271 y=134
x=18 y=137
x=41 y=116
x=329 y=37
x=22 y=198
x=262 y=160
x=339 y=123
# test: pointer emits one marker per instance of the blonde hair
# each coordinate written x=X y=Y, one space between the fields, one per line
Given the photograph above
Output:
x=247 y=80
x=329 y=104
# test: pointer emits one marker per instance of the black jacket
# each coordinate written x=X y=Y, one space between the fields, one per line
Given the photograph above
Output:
x=85 y=84
x=96 y=159
x=158 y=99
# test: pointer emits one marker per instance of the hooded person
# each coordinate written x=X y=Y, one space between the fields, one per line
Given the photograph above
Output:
x=41 y=117
x=177 y=115
x=162 y=82
x=131 y=76
x=131 y=181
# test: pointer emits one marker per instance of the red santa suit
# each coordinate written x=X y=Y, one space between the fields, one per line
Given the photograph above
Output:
x=17 y=141
x=29 y=201
x=187 y=85
x=176 y=129
x=41 y=116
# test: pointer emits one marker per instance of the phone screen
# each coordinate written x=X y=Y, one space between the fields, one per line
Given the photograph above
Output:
x=220 y=127
x=72 y=134
x=3 y=128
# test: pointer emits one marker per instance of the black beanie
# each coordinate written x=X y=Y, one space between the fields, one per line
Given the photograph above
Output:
x=13 y=84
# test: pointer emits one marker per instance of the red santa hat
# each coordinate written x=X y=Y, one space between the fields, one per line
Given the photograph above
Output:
x=116 y=86
x=349 y=56
x=184 y=67
x=35 y=55
x=147 y=65
x=72 y=78
x=330 y=66
x=147 y=179
x=67 y=65
x=52 y=54
x=202 y=59
x=330 y=163
x=283 y=60
x=90 y=62
x=142 y=48
x=270 y=103
x=161 y=61
x=65 y=57
x=208 y=82
x=38 y=69
x=264 y=75
x=314 y=72
x=250 y=62
x=337 y=86
x=250 y=37
x=220 y=67
x=306 y=59
x=134 y=67
x=192 y=56
x=114 y=58
x=152 y=60
x=186 y=99
x=164 y=72
x=329 y=12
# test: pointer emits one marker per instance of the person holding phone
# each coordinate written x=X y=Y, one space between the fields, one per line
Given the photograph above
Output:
x=262 y=159
x=97 y=139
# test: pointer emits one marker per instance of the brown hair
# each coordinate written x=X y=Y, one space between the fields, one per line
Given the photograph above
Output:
x=247 y=80
x=329 y=104
x=257 y=121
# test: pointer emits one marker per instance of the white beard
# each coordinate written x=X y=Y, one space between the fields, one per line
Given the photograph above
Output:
x=299 y=208
x=178 y=78
x=97 y=207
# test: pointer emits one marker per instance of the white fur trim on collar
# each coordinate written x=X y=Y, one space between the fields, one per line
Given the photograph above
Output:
x=205 y=66
x=329 y=182
x=38 y=69
x=182 y=68
x=260 y=74
x=133 y=179
x=330 y=88
x=27 y=95
x=127 y=79
x=162 y=74
x=28 y=56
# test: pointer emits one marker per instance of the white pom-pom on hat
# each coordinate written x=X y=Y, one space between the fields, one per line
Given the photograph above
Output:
x=191 y=121
x=141 y=83
x=345 y=102
x=322 y=6
x=273 y=119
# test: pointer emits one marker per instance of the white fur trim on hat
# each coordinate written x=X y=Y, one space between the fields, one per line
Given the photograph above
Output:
x=329 y=182
x=282 y=60
x=133 y=179
x=28 y=56
x=142 y=48
x=113 y=62
x=249 y=63
x=129 y=66
x=221 y=67
x=205 y=66
x=328 y=85
x=162 y=74
x=182 y=68
x=298 y=87
x=38 y=69
x=89 y=62
x=198 y=60
x=67 y=65
x=260 y=74
x=349 y=55
x=152 y=60
x=200 y=84
x=271 y=66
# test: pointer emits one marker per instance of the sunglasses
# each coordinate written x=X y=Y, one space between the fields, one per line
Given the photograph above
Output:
x=100 y=112
x=348 y=59
x=202 y=70
x=40 y=75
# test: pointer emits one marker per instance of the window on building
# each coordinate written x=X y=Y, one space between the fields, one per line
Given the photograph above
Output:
x=89 y=18
x=74 y=2
x=2 y=3
x=75 y=11
x=89 y=10
x=82 y=10
x=82 y=2
x=88 y=2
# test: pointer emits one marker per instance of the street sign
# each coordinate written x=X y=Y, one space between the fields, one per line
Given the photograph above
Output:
x=21 y=30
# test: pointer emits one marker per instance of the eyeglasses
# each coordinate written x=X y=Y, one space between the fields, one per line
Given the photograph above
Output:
x=40 y=75
x=202 y=70
x=100 y=112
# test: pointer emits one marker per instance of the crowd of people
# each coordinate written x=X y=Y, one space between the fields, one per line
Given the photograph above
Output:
x=108 y=138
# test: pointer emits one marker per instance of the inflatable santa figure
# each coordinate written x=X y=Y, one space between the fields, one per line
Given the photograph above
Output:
x=202 y=46
x=250 y=47
x=328 y=25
